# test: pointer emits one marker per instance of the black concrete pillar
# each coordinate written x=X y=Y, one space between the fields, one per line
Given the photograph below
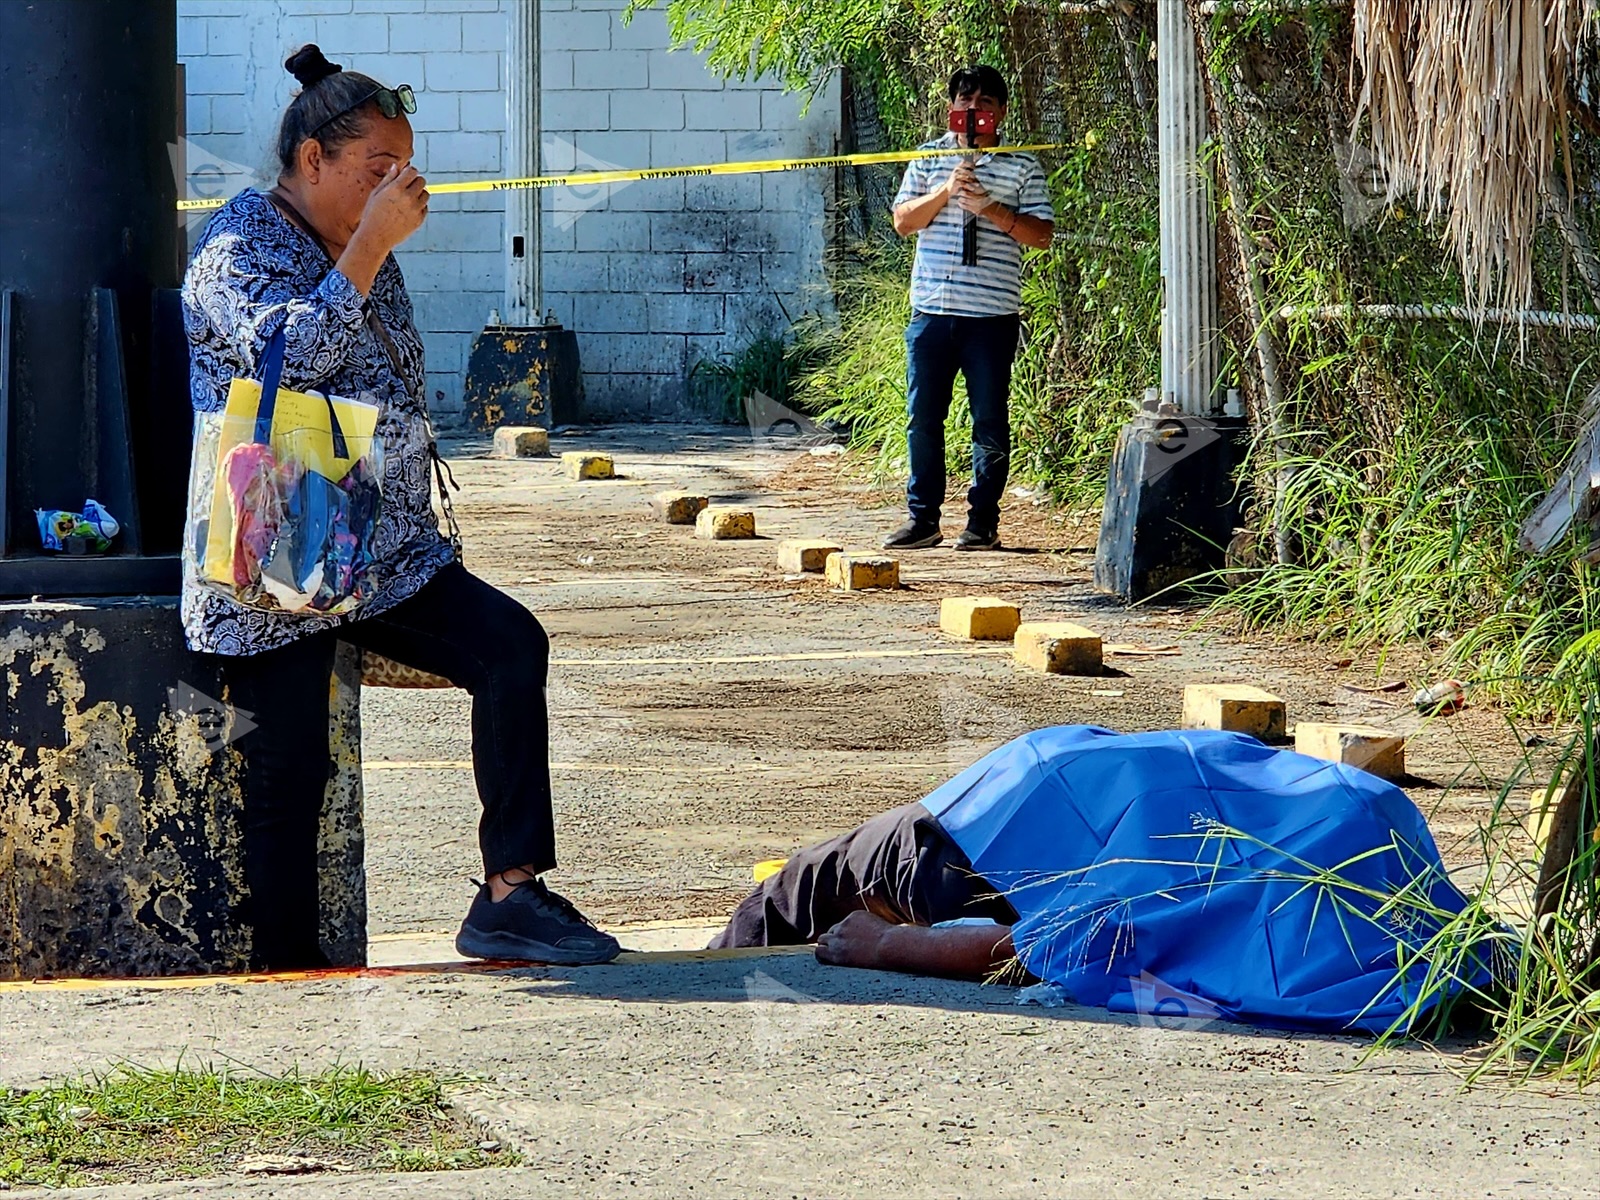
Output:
x=120 y=806
x=121 y=826
x=1171 y=502
x=90 y=403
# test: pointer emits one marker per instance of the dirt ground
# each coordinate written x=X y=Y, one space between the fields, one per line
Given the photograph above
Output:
x=709 y=712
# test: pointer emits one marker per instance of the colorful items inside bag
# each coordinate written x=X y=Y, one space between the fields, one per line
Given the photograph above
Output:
x=293 y=480
x=86 y=532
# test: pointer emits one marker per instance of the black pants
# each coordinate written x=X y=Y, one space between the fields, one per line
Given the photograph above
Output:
x=457 y=626
x=901 y=866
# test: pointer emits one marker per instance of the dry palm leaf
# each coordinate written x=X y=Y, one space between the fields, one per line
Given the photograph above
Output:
x=1467 y=103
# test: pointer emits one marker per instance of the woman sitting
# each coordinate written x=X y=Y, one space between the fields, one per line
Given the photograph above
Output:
x=311 y=258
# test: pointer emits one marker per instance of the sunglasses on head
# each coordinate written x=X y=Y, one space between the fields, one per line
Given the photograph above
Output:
x=391 y=103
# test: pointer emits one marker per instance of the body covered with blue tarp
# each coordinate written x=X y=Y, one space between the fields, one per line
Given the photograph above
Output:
x=1182 y=873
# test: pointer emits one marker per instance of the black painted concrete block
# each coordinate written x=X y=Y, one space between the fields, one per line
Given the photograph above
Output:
x=1171 y=503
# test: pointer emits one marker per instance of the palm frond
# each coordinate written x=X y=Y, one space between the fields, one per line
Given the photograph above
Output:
x=1467 y=102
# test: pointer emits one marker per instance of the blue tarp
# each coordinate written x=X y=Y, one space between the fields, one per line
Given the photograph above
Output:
x=1175 y=873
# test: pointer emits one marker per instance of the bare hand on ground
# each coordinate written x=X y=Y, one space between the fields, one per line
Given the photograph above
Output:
x=856 y=941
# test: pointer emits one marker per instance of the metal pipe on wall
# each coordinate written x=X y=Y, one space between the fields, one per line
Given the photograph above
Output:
x=524 y=301
x=1326 y=314
x=1190 y=341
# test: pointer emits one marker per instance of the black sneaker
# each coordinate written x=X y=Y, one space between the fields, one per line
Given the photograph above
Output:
x=913 y=535
x=533 y=924
x=977 y=539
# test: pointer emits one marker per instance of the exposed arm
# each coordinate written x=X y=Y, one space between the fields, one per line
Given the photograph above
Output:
x=1032 y=223
x=918 y=214
x=362 y=259
x=959 y=952
x=1030 y=231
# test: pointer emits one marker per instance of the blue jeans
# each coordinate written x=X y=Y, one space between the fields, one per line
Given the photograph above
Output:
x=981 y=349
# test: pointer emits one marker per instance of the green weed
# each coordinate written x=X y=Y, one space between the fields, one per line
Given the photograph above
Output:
x=768 y=363
x=135 y=1123
x=1411 y=450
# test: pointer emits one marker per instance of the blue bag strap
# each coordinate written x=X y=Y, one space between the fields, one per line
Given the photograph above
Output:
x=340 y=448
x=271 y=375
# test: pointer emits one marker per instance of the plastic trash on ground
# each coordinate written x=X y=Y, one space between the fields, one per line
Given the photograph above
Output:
x=1045 y=995
x=86 y=532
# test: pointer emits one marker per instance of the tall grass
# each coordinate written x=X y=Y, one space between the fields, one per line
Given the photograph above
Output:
x=1538 y=920
x=769 y=363
x=1414 y=448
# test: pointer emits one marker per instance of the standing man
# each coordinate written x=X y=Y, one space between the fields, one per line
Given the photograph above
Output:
x=964 y=305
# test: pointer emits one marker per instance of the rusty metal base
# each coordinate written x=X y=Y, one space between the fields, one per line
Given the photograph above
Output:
x=120 y=835
x=523 y=376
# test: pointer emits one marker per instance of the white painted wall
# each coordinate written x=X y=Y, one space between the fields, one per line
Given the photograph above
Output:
x=653 y=275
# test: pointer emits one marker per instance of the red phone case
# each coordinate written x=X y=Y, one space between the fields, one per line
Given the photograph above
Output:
x=984 y=121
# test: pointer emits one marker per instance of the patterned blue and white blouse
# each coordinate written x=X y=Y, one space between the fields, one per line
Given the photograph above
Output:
x=253 y=273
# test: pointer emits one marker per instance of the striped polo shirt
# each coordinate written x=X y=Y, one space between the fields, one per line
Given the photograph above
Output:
x=992 y=288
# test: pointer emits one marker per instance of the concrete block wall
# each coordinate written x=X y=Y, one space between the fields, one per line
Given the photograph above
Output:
x=653 y=275
x=659 y=274
x=452 y=52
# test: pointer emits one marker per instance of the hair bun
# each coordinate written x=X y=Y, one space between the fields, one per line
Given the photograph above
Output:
x=309 y=65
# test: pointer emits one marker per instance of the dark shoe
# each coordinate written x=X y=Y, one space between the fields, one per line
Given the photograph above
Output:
x=533 y=924
x=977 y=539
x=913 y=535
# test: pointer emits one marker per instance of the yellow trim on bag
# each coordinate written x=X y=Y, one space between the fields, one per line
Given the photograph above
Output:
x=754 y=167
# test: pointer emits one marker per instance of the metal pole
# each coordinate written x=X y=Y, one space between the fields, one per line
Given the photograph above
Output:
x=1189 y=334
x=524 y=303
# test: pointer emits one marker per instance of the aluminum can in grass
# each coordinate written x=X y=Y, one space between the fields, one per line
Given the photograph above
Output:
x=1446 y=696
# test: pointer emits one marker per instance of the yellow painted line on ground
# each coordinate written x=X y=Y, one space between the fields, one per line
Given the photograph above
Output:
x=462 y=764
x=178 y=983
x=642 y=577
x=563 y=487
x=428 y=935
x=422 y=764
x=807 y=656
x=747 y=659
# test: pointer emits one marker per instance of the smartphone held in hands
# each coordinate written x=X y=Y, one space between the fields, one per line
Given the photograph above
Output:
x=983 y=123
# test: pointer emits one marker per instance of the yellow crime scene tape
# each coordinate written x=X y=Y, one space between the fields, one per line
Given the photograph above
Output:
x=754 y=167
